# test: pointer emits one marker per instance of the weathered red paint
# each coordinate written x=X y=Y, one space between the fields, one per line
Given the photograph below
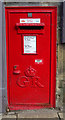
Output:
x=30 y=83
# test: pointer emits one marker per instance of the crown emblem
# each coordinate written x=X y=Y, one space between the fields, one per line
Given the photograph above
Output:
x=30 y=72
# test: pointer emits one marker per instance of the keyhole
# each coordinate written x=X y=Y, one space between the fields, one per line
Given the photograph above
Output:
x=15 y=66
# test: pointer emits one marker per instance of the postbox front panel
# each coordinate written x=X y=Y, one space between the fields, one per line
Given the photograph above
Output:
x=29 y=57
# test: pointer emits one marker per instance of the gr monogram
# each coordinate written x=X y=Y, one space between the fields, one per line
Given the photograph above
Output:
x=29 y=79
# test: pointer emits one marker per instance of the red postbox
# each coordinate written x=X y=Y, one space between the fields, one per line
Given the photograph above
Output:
x=31 y=56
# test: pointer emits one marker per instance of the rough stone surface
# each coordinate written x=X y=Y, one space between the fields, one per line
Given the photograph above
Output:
x=61 y=115
x=9 y=116
x=0 y=117
x=46 y=114
x=42 y=113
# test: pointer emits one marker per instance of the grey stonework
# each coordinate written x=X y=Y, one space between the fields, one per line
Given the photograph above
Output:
x=45 y=114
x=1 y=57
x=3 y=74
x=60 y=77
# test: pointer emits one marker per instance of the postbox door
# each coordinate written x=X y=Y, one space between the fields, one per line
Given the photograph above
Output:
x=29 y=59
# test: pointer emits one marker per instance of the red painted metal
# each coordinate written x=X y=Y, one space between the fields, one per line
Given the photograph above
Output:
x=31 y=78
x=29 y=24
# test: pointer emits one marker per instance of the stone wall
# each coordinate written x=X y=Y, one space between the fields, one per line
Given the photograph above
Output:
x=60 y=47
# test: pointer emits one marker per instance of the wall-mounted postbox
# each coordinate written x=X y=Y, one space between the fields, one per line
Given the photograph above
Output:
x=31 y=57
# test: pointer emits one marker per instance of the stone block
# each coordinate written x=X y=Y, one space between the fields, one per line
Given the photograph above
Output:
x=42 y=113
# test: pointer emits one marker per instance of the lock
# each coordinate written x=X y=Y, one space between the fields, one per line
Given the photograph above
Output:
x=16 y=69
